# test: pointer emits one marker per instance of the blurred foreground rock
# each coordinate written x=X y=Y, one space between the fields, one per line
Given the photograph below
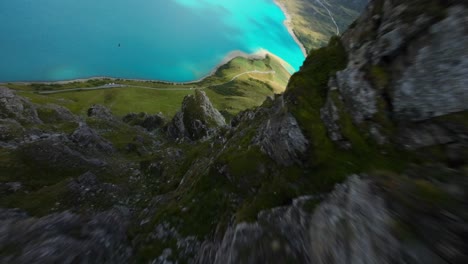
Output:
x=64 y=237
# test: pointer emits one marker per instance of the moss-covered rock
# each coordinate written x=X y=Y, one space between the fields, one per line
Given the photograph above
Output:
x=197 y=118
x=16 y=107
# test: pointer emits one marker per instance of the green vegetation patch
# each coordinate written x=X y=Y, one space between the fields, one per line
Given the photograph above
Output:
x=307 y=92
x=234 y=87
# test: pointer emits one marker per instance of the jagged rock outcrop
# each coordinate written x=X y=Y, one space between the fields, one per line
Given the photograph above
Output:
x=370 y=219
x=436 y=82
x=148 y=122
x=353 y=226
x=358 y=94
x=65 y=237
x=366 y=219
x=197 y=119
x=10 y=129
x=282 y=139
x=389 y=80
x=279 y=236
x=16 y=107
x=101 y=112
x=56 y=151
x=426 y=63
x=403 y=64
x=330 y=115
x=280 y=136
x=87 y=138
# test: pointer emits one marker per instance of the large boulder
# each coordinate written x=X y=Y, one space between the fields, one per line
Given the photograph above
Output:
x=51 y=113
x=10 y=129
x=280 y=136
x=16 y=107
x=101 y=112
x=197 y=119
x=87 y=138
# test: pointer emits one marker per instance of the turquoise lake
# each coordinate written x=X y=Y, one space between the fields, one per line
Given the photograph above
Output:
x=171 y=40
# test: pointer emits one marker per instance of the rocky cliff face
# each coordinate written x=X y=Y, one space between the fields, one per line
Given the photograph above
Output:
x=362 y=160
x=404 y=86
x=411 y=58
x=405 y=67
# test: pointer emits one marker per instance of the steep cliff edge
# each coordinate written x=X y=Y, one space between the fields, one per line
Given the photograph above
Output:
x=362 y=160
x=389 y=99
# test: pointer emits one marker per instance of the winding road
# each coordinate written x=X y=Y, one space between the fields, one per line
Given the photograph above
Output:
x=116 y=85
x=331 y=16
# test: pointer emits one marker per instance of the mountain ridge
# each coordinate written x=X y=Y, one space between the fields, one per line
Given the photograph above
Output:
x=339 y=168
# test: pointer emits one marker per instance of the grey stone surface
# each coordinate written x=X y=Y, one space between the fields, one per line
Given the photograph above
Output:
x=421 y=135
x=282 y=139
x=186 y=246
x=425 y=67
x=101 y=112
x=197 y=119
x=279 y=236
x=149 y=122
x=87 y=187
x=330 y=116
x=65 y=238
x=16 y=107
x=353 y=225
x=86 y=137
x=436 y=83
x=359 y=96
x=56 y=152
x=10 y=129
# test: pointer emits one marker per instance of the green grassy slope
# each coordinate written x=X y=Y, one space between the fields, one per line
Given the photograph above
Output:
x=311 y=22
x=248 y=89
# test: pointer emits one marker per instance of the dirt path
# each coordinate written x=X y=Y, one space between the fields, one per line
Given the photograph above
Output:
x=331 y=16
x=116 y=85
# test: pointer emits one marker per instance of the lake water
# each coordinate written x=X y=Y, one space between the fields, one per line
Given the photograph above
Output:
x=172 y=40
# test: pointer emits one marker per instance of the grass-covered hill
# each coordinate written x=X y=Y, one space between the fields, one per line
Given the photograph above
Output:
x=315 y=21
x=362 y=159
x=237 y=85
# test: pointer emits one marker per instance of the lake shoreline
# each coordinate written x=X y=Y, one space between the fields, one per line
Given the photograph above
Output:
x=259 y=55
x=288 y=24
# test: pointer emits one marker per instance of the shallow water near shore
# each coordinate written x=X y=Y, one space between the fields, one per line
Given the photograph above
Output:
x=170 y=40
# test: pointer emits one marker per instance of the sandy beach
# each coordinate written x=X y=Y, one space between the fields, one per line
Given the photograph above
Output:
x=288 y=24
